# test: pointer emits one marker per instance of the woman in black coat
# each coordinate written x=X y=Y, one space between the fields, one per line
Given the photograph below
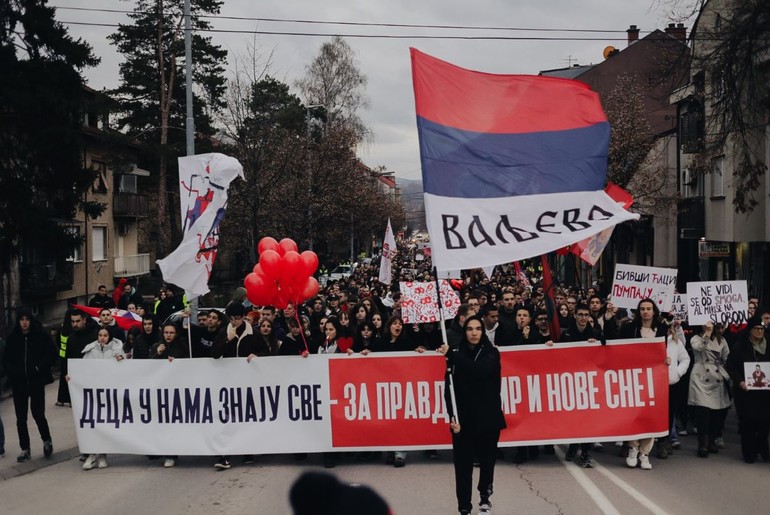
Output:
x=474 y=368
x=753 y=407
x=28 y=357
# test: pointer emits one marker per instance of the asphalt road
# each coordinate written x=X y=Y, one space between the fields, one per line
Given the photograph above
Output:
x=680 y=484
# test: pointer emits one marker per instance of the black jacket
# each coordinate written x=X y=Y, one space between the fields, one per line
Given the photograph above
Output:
x=101 y=301
x=78 y=340
x=249 y=344
x=753 y=405
x=573 y=334
x=28 y=357
x=176 y=349
x=477 y=384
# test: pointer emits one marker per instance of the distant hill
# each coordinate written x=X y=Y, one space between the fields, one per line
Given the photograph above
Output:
x=411 y=198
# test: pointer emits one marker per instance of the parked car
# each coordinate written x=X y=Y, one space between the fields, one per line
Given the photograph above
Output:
x=339 y=272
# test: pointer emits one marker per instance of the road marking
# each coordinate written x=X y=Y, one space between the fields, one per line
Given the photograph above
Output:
x=630 y=490
x=589 y=486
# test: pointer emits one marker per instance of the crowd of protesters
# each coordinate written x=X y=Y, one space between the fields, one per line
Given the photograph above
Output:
x=358 y=314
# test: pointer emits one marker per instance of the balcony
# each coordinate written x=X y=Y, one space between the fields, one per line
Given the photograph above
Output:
x=41 y=279
x=130 y=205
x=131 y=266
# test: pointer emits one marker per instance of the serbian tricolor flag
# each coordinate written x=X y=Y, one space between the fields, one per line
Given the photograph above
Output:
x=124 y=319
x=513 y=166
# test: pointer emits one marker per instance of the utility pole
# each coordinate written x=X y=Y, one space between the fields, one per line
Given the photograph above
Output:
x=309 y=176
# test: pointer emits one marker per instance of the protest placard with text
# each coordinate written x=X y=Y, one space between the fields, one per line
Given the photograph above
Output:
x=721 y=302
x=633 y=283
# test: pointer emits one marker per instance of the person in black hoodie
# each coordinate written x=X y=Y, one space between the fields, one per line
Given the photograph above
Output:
x=475 y=370
x=145 y=339
x=27 y=361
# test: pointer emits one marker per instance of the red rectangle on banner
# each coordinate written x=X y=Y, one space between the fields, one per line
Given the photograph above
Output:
x=561 y=394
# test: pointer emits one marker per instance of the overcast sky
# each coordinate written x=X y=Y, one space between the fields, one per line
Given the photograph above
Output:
x=386 y=61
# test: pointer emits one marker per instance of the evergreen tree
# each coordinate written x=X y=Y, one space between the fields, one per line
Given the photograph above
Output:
x=41 y=165
x=152 y=90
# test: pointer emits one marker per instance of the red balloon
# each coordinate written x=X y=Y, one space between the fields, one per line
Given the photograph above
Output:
x=267 y=243
x=290 y=268
x=309 y=290
x=280 y=299
x=258 y=270
x=286 y=245
x=270 y=262
x=253 y=282
x=309 y=262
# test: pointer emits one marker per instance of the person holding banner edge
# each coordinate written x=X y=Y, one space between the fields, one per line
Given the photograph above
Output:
x=646 y=324
x=475 y=371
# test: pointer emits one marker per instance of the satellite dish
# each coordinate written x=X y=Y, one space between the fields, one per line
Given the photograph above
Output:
x=609 y=51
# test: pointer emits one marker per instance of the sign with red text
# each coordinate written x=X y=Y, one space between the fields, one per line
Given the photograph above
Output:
x=633 y=283
x=576 y=392
x=420 y=303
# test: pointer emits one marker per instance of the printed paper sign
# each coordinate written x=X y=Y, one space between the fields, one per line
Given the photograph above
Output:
x=756 y=375
x=721 y=302
x=419 y=302
x=572 y=392
x=633 y=283
x=679 y=306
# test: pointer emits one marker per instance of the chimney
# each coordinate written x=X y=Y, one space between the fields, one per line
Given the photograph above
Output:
x=677 y=31
x=633 y=34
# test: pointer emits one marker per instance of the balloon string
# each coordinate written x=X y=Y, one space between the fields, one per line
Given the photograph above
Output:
x=301 y=329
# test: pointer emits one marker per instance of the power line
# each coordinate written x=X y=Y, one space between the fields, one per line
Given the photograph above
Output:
x=366 y=36
x=352 y=23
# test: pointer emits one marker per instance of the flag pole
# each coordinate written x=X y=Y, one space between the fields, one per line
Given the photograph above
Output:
x=450 y=370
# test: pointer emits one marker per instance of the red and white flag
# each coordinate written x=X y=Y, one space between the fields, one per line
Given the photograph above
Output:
x=203 y=183
x=388 y=254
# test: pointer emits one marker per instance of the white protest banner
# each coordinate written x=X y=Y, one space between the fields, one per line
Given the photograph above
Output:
x=385 y=401
x=389 y=251
x=419 y=302
x=633 y=283
x=755 y=375
x=679 y=306
x=721 y=302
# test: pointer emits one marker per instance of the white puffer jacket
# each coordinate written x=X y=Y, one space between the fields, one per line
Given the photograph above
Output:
x=112 y=350
x=680 y=360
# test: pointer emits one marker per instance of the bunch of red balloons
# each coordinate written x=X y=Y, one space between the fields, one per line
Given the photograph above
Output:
x=282 y=275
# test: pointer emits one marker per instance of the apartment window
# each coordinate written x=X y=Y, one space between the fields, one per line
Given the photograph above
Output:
x=99 y=243
x=100 y=181
x=718 y=178
x=77 y=251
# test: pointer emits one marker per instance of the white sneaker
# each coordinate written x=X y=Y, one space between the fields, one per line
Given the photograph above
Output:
x=485 y=509
x=102 y=461
x=644 y=462
x=90 y=462
x=170 y=462
x=632 y=460
x=597 y=446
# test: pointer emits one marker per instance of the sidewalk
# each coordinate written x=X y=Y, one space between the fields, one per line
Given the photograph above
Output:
x=62 y=426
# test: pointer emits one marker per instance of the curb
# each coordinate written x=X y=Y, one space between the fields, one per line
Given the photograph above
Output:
x=20 y=469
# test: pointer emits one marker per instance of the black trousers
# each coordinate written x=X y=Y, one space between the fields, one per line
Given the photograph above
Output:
x=466 y=446
x=709 y=421
x=63 y=394
x=27 y=397
x=754 y=433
